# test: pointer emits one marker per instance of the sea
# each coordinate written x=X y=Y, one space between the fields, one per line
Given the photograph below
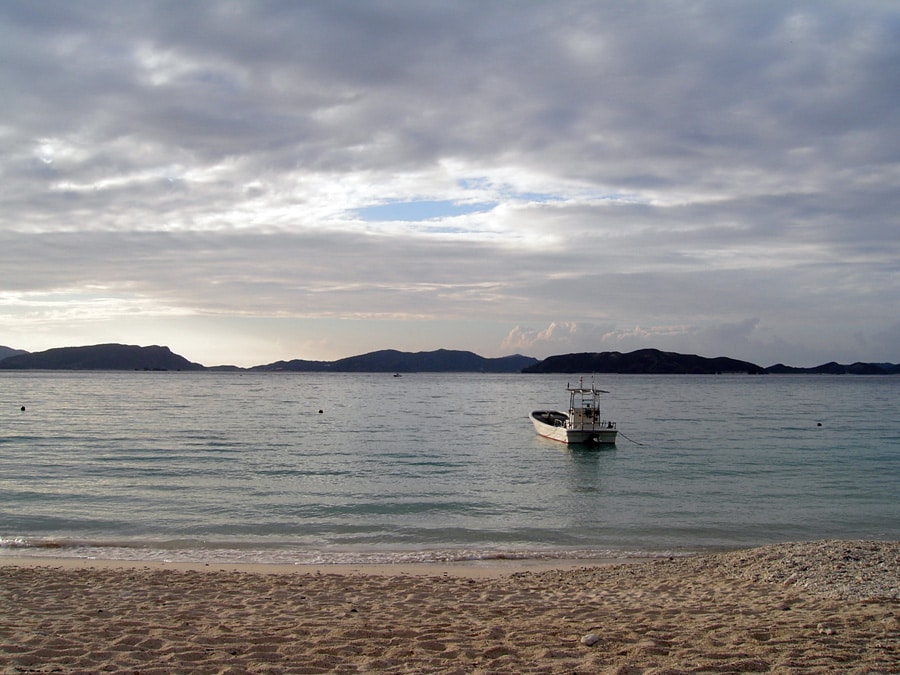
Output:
x=320 y=468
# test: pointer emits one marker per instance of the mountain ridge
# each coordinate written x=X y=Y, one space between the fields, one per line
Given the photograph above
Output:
x=643 y=361
x=655 y=361
x=392 y=360
x=110 y=356
x=113 y=356
x=6 y=352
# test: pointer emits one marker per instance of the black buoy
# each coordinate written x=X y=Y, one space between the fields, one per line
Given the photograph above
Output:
x=22 y=408
x=320 y=412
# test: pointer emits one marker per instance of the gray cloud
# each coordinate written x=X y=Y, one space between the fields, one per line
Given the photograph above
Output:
x=709 y=174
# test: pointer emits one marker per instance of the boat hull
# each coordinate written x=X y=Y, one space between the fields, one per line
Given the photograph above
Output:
x=553 y=424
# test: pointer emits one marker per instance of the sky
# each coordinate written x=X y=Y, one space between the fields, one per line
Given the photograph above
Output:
x=253 y=181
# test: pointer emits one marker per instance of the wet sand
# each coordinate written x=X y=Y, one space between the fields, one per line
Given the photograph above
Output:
x=788 y=608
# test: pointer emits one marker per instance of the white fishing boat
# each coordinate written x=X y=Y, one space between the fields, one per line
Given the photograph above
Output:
x=582 y=424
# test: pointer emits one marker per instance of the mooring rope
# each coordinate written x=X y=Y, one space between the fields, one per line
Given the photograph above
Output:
x=629 y=439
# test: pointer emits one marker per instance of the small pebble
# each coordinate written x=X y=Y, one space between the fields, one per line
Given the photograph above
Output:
x=590 y=639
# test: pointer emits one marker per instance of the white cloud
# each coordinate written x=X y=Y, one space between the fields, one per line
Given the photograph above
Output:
x=714 y=176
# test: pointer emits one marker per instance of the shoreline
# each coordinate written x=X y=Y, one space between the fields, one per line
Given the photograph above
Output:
x=457 y=561
x=486 y=568
x=812 y=606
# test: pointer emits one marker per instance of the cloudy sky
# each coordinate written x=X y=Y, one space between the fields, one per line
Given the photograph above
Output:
x=249 y=181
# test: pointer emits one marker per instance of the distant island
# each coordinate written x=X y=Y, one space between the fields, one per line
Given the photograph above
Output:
x=131 y=357
x=654 y=361
x=641 y=361
x=99 y=357
x=391 y=360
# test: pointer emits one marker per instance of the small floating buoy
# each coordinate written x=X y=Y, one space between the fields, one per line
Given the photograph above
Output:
x=22 y=408
x=320 y=411
x=818 y=424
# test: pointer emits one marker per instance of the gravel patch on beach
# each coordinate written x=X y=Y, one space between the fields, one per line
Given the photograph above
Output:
x=846 y=570
x=842 y=570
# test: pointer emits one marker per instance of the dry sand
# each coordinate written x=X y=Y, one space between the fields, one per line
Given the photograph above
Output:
x=789 y=608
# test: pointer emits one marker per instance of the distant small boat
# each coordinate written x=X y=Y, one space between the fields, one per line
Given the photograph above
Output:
x=582 y=424
x=397 y=375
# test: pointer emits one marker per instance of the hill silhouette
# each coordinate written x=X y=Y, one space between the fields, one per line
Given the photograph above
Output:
x=101 y=357
x=391 y=360
x=648 y=361
x=655 y=361
x=6 y=352
x=642 y=361
x=832 y=368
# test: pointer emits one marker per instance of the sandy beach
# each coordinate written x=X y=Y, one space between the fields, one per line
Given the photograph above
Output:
x=787 y=608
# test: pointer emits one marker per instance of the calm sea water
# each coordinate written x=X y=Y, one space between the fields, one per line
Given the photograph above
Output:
x=244 y=467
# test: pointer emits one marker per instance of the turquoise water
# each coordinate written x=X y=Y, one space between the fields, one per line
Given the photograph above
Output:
x=244 y=467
